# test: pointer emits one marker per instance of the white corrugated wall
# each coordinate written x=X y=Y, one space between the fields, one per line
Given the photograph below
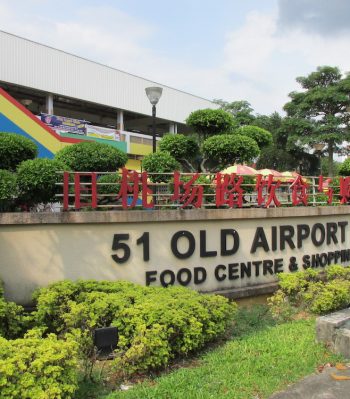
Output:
x=33 y=65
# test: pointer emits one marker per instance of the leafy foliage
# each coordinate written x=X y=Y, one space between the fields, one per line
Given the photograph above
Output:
x=92 y=156
x=154 y=324
x=34 y=367
x=8 y=190
x=241 y=111
x=320 y=113
x=344 y=169
x=179 y=146
x=228 y=149
x=209 y=122
x=314 y=291
x=14 y=149
x=261 y=136
x=159 y=162
x=37 y=180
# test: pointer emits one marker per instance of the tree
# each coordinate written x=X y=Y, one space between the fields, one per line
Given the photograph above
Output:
x=183 y=148
x=209 y=122
x=14 y=149
x=92 y=156
x=159 y=162
x=240 y=110
x=320 y=113
x=261 y=136
x=227 y=149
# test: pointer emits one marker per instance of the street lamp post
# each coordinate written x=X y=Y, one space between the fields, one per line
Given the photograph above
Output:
x=154 y=94
x=318 y=147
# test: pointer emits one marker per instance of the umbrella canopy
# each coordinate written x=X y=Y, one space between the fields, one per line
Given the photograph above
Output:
x=240 y=170
x=289 y=176
x=266 y=172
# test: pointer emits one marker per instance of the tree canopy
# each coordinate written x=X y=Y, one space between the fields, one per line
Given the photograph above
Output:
x=320 y=113
x=241 y=111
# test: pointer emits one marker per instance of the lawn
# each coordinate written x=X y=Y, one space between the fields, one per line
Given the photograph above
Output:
x=261 y=359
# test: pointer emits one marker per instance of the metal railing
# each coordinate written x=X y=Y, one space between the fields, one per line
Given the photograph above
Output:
x=135 y=190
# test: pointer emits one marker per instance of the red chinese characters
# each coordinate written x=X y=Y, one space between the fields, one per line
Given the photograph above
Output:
x=187 y=192
x=129 y=191
x=228 y=190
x=344 y=189
x=323 y=187
x=266 y=190
x=299 y=191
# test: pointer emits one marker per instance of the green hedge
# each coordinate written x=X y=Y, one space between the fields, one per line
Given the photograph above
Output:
x=38 y=368
x=154 y=324
x=314 y=291
x=8 y=190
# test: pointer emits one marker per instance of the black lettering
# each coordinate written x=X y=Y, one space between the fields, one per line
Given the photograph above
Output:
x=151 y=277
x=199 y=275
x=217 y=270
x=233 y=271
x=278 y=265
x=224 y=250
x=323 y=260
x=191 y=244
x=167 y=275
x=332 y=229
x=342 y=226
x=286 y=236
x=257 y=265
x=306 y=261
x=330 y=257
x=267 y=266
x=337 y=256
x=303 y=232
x=259 y=240
x=184 y=276
x=203 y=245
x=322 y=234
x=246 y=269
x=273 y=238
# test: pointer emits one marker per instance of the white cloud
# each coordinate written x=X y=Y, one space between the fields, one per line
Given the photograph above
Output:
x=259 y=62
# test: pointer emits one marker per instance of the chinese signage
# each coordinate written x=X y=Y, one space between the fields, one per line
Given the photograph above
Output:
x=227 y=190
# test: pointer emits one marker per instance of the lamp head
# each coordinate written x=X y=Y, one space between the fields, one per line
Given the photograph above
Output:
x=154 y=94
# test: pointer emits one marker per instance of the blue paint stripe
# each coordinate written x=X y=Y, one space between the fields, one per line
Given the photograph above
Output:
x=7 y=126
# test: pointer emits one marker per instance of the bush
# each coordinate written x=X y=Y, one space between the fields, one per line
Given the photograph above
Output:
x=179 y=146
x=13 y=321
x=14 y=149
x=261 y=136
x=159 y=162
x=227 y=149
x=344 y=168
x=38 y=368
x=314 y=291
x=154 y=324
x=209 y=122
x=8 y=190
x=92 y=156
x=108 y=187
x=37 y=180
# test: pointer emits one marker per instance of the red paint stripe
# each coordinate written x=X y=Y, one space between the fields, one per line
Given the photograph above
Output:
x=36 y=120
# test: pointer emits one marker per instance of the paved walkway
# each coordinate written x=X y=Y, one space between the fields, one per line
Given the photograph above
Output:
x=319 y=386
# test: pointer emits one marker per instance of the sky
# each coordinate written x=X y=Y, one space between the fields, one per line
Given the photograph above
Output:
x=233 y=50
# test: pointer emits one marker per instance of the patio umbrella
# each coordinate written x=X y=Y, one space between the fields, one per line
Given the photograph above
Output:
x=266 y=172
x=239 y=170
x=289 y=176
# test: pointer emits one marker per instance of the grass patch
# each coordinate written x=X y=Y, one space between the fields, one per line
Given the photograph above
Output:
x=252 y=365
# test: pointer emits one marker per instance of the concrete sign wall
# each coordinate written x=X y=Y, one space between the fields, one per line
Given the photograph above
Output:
x=230 y=251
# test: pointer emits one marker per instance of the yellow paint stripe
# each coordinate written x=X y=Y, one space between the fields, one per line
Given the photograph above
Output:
x=30 y=127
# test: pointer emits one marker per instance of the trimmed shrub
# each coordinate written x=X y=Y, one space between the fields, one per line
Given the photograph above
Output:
x=314 y=291
x=37 y=180
x=344 y=169
x=14 y=149
x=261 y=136
x=108 y=187
x=8 y=190
x=155 y=324
x=159 y=162
x=92 y=156
x=179 y=146
x=38 y=368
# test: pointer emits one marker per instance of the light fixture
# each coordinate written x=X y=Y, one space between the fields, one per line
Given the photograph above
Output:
x=154 y=94
x=26 y=102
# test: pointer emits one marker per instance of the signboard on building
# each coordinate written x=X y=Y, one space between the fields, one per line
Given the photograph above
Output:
x=64 y=124
x=102 y=133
